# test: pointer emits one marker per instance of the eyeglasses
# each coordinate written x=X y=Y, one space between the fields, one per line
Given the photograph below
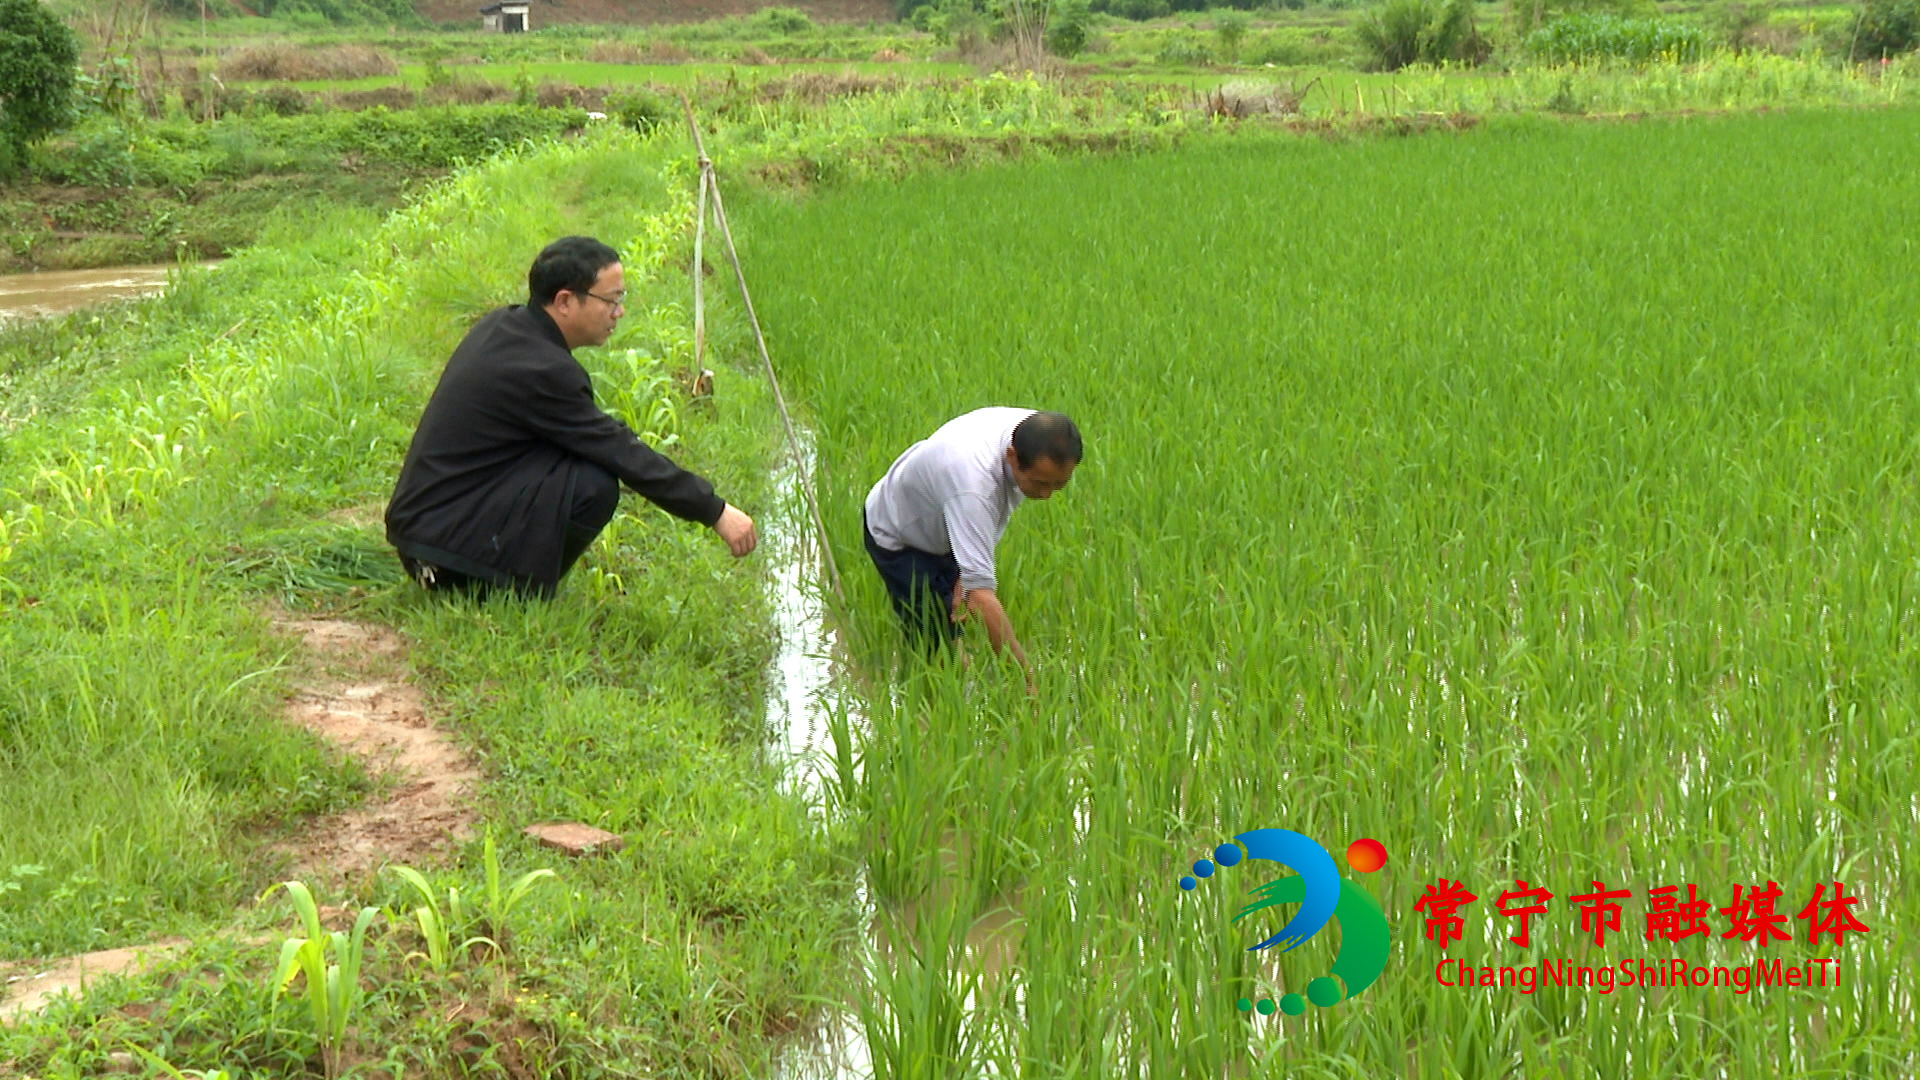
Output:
x=615 y=301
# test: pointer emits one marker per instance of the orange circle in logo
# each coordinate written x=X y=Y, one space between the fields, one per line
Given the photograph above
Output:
x=1366 y=855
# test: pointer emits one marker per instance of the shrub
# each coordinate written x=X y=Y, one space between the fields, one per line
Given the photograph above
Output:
x=660 y=51
x=468 y=92
x=642 y=108
x=783 y=20
x=1301 y=50
x=1740 y=26
x=1885 y=28
x=1135 y=8
x=1068 y=27
x=98 y=153
x=1230 y=28
x=1526 y=16
x=1183 y=50
x=37 y=58
x=391 y=97
x=1573 y=39
x=279 y=101
x=1420 y=32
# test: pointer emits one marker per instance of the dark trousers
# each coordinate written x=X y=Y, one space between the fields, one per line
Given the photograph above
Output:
x=920 y=584
x=596 y=494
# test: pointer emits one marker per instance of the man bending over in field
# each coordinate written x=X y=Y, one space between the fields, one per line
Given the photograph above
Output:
x=514 y=470
x=933 y=521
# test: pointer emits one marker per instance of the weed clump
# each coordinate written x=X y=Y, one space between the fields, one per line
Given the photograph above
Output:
x=290 y=63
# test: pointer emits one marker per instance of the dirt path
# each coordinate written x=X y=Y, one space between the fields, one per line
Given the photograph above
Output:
x=357 y=697
x=354 y=694
x=26 y=988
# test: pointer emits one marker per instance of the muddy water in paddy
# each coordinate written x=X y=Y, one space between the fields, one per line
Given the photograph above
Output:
x=809 y=685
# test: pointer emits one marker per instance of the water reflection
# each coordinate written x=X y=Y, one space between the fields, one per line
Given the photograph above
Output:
x=800 y=704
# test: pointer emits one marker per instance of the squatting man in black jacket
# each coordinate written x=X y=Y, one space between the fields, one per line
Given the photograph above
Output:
x=514 y=470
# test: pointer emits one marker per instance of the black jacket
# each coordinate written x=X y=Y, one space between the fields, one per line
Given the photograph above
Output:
x=489 y=480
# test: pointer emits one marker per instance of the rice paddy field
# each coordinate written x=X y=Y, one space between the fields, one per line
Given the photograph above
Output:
x=1537 y=501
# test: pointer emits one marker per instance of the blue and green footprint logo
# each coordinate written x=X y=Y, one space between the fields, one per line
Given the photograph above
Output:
x=1316 y=885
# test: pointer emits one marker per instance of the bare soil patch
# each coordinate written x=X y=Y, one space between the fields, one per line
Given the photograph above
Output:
x=356 y=696
x=26 y=988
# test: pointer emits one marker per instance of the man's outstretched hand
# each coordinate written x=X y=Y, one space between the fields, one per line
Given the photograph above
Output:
x=986 y=603
x=736 y=529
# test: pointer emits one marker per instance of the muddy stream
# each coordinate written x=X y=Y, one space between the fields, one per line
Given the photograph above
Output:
x=56 y=292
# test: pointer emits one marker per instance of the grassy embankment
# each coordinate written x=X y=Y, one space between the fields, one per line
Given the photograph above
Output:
x=1538 y=501
x=174 y=470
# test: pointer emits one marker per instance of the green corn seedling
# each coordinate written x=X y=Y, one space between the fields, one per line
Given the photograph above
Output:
x=332 y=990
x=501 y=902
x=437 y=926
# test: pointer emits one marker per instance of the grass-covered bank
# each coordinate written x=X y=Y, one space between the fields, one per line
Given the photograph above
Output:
x=172 y=470
x=1538 y=501
x=122 y=189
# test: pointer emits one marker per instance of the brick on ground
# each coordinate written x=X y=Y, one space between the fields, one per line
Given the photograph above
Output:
x=575 y=839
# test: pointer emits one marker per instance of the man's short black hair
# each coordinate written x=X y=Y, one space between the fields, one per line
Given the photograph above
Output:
x=1046 y=435
x=570 y=263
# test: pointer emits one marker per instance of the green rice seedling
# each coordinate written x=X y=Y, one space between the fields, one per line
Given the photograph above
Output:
x=1540 y=529
x=331 y=989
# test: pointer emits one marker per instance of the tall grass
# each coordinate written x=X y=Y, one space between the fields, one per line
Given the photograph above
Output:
x=1539 y=502
x=169 y=476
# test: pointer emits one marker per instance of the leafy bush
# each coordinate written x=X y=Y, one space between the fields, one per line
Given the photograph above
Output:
x=1183 y=50
x=615 y=52
x=98 y=153
x=958 y=23
x=1885 y=28
x=1067 y=29
x=1573 y=39
x=1739 y=25
x=212 y=100
x=1231 y=28
x=1135 y=9
x=37 y=58
x=1527 y=16
x=1295 y=49
x=1420 y=32
x=642 y=108
x=440 y=137
x=278 y=101
x=783 y=20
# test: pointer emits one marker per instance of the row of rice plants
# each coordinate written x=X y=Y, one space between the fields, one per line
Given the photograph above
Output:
x=1538 y=501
